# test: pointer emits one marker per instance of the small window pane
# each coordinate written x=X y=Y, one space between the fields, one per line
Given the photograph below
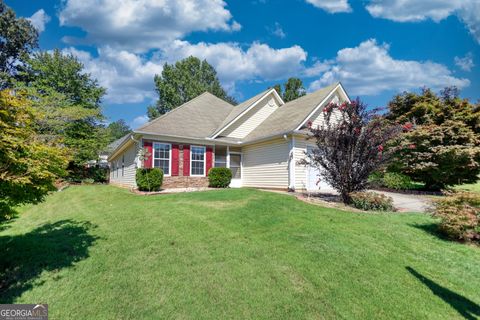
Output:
x=198 y=160
x=219 y=164
x=236 y=174
x=161 y=157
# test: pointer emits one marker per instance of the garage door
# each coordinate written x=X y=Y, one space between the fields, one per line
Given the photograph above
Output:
x=315 y=180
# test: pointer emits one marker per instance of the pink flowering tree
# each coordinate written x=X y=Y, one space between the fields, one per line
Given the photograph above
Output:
x=350 y=144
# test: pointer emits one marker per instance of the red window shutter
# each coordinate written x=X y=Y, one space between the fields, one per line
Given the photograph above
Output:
x=209 y=159
x=147 y=163
x=186 y=160
x=174 y=159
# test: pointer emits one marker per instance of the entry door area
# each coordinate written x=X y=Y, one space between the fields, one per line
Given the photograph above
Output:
x=315 y=180
x=235 y=165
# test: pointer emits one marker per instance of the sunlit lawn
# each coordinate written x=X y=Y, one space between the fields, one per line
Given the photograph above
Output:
x=99 y=252
x=475 y=187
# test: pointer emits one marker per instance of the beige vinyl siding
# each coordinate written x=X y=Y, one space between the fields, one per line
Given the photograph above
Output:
x=266 y=164
x=249 y=121
x=128 y=178
x=318 y=118
x=300 y=147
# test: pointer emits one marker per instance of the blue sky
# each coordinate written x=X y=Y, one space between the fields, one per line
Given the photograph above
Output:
x=375 y=47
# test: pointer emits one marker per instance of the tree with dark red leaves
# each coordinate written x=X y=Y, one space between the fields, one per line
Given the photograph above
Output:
x=350 y=144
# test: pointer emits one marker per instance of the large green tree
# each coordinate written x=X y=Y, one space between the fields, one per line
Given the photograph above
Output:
x=183 y=81
x=292 y=89
x=440 y=145
x=18 y=38
x=29 y=165
x=117 y=129
x=70 y=100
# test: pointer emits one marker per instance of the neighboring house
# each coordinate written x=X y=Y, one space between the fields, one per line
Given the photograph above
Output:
x=261 y=140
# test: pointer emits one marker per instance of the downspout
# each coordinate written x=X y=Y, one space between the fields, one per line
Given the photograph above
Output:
x=291 y=163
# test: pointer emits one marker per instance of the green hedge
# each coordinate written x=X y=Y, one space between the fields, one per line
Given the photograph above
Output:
x=150 y=179
x=219 y=177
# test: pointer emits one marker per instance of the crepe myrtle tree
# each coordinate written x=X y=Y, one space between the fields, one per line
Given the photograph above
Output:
x=350 y=144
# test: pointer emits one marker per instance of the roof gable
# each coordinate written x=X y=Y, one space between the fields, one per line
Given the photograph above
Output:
x=196 y=118
x=291 y=115
x=243 y=108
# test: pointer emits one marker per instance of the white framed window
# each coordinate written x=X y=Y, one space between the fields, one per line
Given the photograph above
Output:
x=197 y=161
x=162 y=157
x=123 y=165
x=236 y=165
x=220 y=157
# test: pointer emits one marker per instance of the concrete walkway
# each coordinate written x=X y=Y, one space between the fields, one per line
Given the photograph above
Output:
x=408 y=202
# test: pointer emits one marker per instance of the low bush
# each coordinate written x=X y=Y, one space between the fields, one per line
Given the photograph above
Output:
x=459 y=215
x=398 y=181
x=79 y=174
x=149 y=179
x=375 y=179
x=371 y=201
x=88 y=181
x=219 y=177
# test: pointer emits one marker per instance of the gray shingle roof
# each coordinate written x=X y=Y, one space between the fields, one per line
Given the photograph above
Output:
x=289 y=116
x=238 y=109
x=206 y=114
x=115 y=144
x=197 y=118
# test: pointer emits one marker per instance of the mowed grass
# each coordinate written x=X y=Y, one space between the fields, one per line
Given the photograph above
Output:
x=99 y=252
x=474 y=187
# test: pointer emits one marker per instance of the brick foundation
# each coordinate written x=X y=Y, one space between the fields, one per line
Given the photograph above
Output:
x=184 y=182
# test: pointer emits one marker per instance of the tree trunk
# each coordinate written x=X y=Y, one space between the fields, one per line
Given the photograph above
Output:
x=346 y=197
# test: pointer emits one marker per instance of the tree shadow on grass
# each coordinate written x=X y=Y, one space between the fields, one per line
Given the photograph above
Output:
x=431 y=228
x=49 y=247
x=466 y=307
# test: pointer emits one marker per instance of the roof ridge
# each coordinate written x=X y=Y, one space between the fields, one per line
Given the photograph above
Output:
x=333 y=85
x=179 y=107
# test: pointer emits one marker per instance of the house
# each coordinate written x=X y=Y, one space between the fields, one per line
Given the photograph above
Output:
x=261 y=140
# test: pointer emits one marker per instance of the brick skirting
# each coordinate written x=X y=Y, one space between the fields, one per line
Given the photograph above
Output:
x=184 y=182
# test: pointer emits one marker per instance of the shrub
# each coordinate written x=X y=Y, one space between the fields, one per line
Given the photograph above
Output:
x=150 y=179
x=219 y=177
x=375 y=179
x=397 y=181
x=80 y=173
x=88 y=181
x=459 y=216
x=371 y=201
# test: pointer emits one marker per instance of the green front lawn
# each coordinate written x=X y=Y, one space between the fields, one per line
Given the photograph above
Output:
x=475 y=187
x=99 y=252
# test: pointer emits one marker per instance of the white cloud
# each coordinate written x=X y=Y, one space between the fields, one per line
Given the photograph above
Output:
x=127 y=76
x=277 y=31
x=138 y=121
x=466 y=63
x=39 y=19
x=332 y=6
x=437 y=10
x=233 y=63
x=368 y=69
x=140 y=25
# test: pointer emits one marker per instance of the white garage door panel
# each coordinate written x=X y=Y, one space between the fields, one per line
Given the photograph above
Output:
x=315 y=181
